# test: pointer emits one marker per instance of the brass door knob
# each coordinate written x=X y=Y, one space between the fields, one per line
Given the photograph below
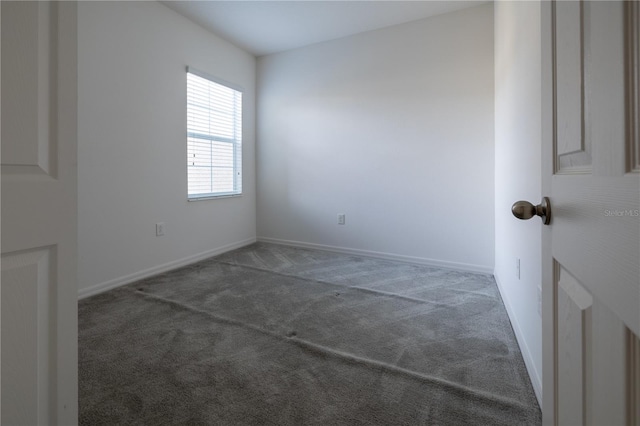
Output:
x=525 y=210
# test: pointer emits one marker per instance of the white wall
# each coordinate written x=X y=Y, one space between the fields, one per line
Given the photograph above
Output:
x=517 y=171
x=132 y=148
x=393 y=128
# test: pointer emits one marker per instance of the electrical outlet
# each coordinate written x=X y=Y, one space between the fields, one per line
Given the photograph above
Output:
x=539 y=301
x=518 y=267
x=159 y=229
x=341 y=219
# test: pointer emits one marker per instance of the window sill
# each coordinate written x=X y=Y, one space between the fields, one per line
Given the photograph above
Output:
x=214 y=197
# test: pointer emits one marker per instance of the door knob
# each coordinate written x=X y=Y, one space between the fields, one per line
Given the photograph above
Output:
x=525 y=210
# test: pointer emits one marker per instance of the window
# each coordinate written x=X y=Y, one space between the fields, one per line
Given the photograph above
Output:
x=214 y=137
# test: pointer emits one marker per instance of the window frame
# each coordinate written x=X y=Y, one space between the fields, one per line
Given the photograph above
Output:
x=236 y=142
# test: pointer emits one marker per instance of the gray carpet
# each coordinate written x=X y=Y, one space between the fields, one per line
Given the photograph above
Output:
x=276 y=335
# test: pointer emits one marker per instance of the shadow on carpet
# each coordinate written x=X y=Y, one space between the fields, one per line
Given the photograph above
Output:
x=276 y=335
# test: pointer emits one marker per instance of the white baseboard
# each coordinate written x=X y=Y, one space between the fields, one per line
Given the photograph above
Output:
x=534 y=375
x=127 y=279
x=387 y=256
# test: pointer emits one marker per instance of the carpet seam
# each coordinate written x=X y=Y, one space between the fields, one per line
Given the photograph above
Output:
x=342 y=355
x=313 y=280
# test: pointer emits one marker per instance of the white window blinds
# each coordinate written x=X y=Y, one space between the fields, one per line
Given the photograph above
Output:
x=214 y=138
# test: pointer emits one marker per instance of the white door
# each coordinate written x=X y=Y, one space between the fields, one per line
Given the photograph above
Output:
x=591 y=173
x=38 y=290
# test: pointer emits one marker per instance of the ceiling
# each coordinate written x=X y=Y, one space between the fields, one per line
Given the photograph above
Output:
x=264 y=27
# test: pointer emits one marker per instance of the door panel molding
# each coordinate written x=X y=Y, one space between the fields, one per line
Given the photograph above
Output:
x=632 y=12
x=633 y=379
x=27 y=294
x=573 y=349
x=30 y=83
x=572 y=146
x=38 y=291
x=590 y=251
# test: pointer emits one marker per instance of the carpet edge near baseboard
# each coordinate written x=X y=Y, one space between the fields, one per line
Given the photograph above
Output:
x=93 y=290
x=532 y=371
x=456 y=266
